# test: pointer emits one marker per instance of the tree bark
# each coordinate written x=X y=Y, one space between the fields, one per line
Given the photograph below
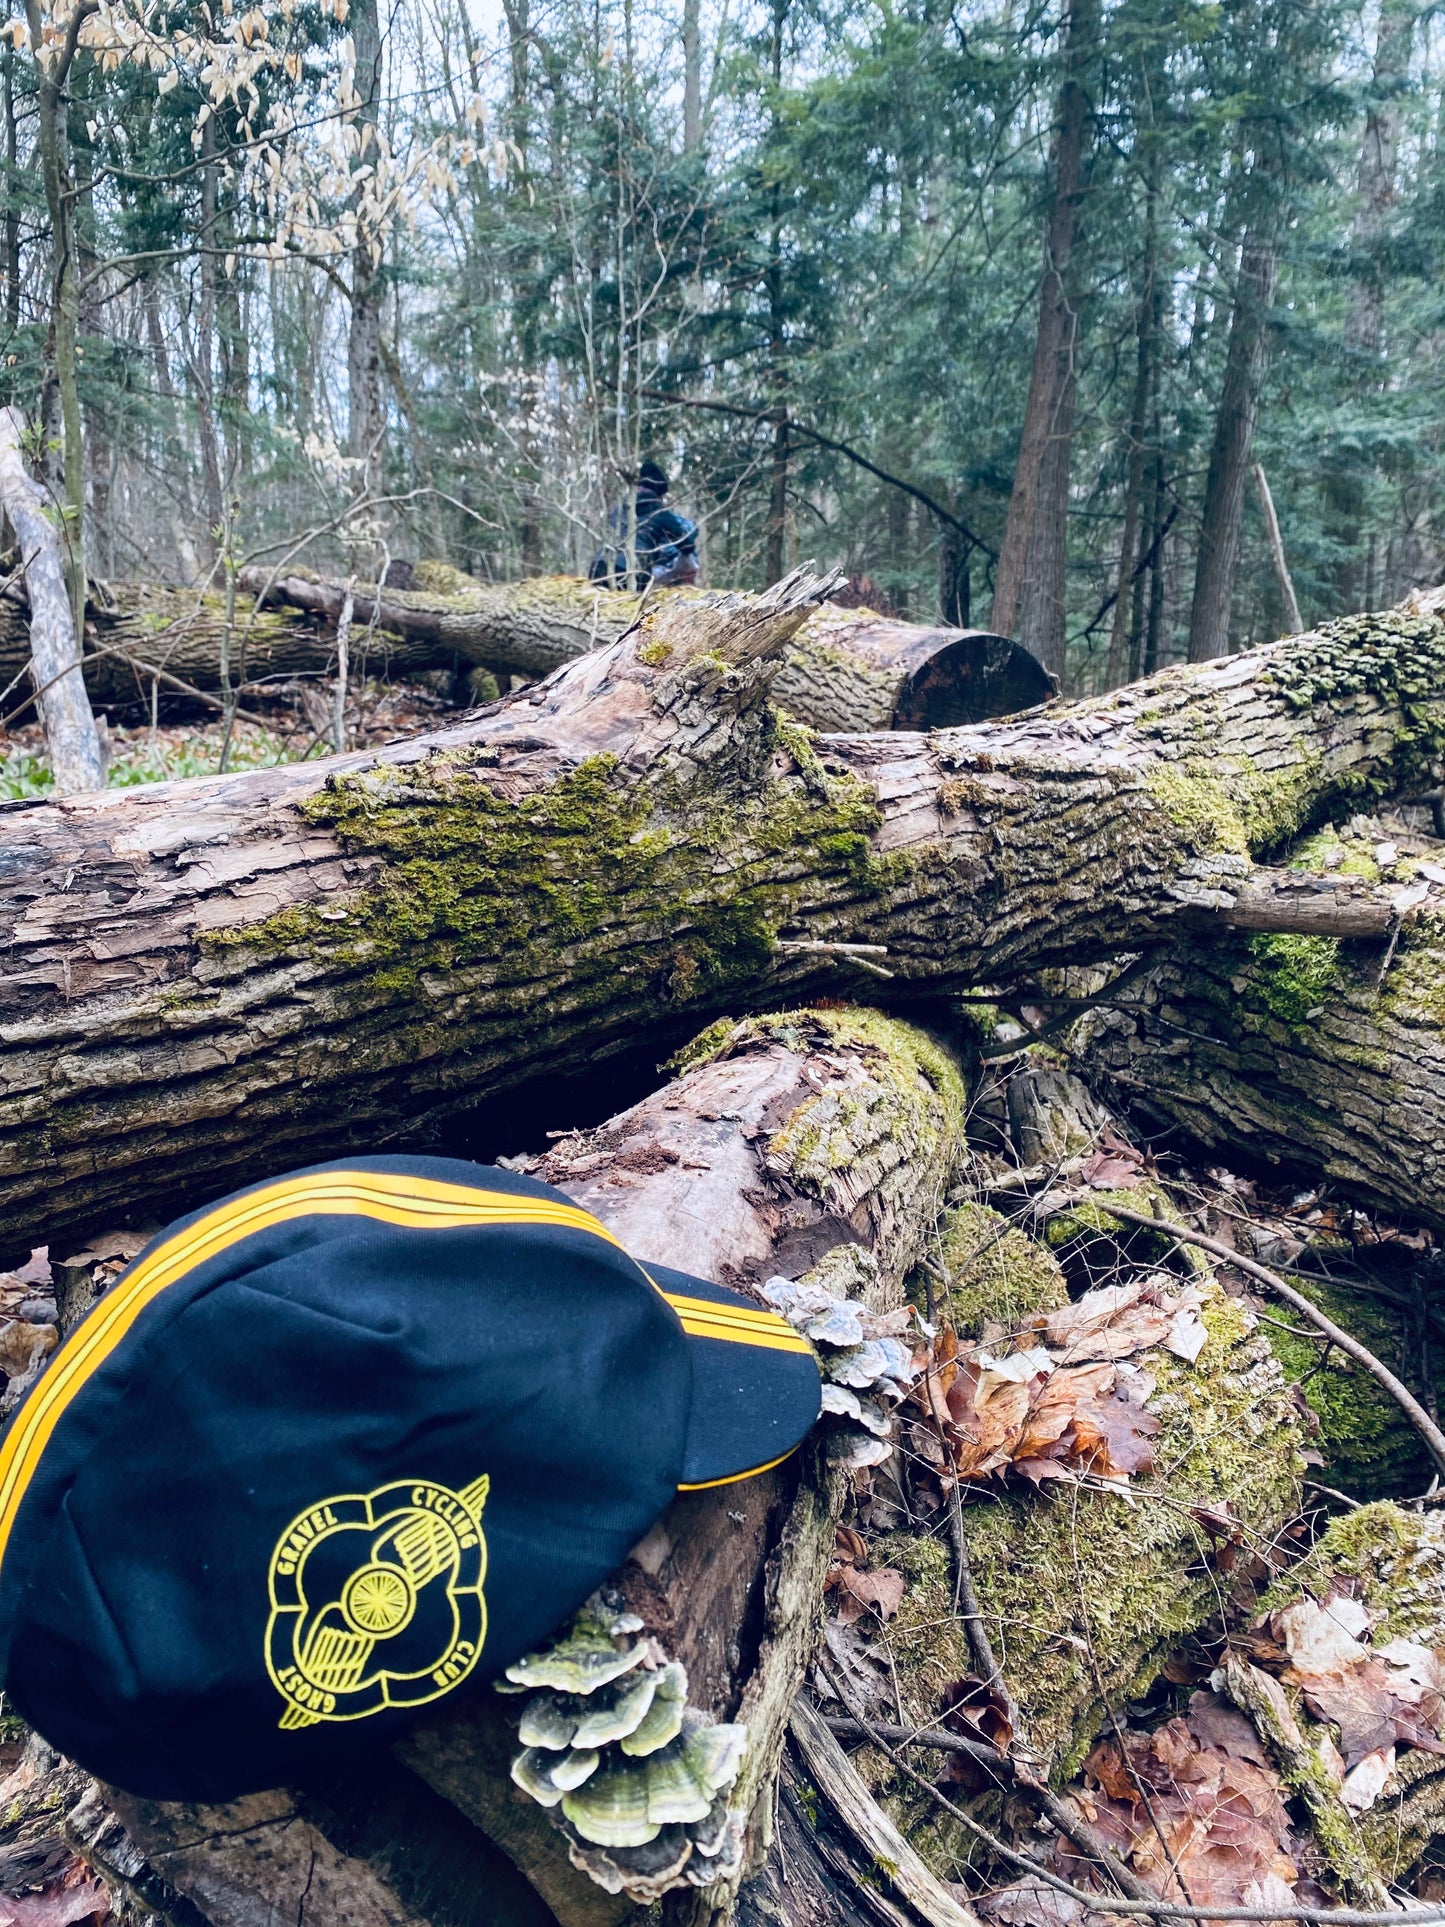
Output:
x=1124 y=632
x=1296 y=1056
x=72 y=742
x=52 y=72
x=366 y=423
x=1028 y=593
x=209 y=980
x=1233 y=436
x=718 y=1172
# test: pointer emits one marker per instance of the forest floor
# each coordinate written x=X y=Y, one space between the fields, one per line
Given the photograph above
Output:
x=303 y=728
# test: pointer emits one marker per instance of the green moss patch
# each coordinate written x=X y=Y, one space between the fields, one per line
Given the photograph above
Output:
x=1370 y=1448
x=1295 y=974
x=572 y=870
x=997 y=1273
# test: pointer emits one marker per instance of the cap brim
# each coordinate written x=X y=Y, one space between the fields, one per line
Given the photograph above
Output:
x=756 y=1387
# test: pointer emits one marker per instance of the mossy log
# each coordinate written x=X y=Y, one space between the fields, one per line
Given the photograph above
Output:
x=207 y=981
x=814 y=1142
x=845 y=669
x=1309 y=1053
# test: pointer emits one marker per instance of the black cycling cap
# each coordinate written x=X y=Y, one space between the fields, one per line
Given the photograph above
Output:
x=347 y=1439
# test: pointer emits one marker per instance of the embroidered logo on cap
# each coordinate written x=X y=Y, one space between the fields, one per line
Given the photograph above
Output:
x=376 y=1601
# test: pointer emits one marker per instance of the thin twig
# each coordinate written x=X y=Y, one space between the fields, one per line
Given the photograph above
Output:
x=1412 y=1408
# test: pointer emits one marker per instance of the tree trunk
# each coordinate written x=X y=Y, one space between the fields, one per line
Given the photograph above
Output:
x=366 y=424
x=1233 y=436
x=210 y=980
x=1124 y=632
x=1394 y=39
x=1284 y=582
x=51 y=77
x=1028 y=596
x=1364 y=330
x=72 y=742
x=691 y=76
x=718 y=1172
x=204 y=368
x=1292 y=1052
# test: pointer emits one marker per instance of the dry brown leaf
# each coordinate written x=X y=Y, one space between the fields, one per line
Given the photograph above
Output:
x=880 y=1592
x=1195 y=1809
x=76 y=1897
x=23 y=1345
x=978 y=1711
x=1378 y=1697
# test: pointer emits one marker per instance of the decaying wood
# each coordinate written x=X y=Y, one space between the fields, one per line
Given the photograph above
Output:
x=838 y=1781
x=791 y=1142
x=849 y=669
x=72 y=741
x=1315 y=1059
x=208 y=981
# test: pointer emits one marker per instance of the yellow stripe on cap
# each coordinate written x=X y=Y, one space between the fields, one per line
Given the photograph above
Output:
x=422 y=1204
x=737 y=1324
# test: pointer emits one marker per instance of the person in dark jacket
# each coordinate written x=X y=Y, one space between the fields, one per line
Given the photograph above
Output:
x=666 y=541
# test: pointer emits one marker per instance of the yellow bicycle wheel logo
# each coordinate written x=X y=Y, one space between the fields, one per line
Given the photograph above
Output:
x=376 y=1601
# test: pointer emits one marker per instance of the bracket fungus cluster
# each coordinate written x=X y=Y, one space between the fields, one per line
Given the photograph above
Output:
x=636 y=1779
x=867 y=1368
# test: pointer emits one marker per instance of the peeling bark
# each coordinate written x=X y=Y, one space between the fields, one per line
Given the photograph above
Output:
x=207 y=981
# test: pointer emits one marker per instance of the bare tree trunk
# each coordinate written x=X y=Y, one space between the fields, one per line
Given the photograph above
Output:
x=1283 y=580
x=72 y=742
x=12 y=194
x=691 y=76
x=204 y=372
x=1364 y=330
x=1229 y=456
x=1028 y=596
x=776 y=560
x=52 y=77
x=366 y=420
x=210 y=980
x=1365 y=314
x=177 y=462
x=1123 y=635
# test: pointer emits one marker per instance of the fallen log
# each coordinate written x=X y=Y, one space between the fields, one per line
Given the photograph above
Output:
x=207 y=981
x=816 y=1143
x=846 y=668
x=1301 y=1053
x=849 y=669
